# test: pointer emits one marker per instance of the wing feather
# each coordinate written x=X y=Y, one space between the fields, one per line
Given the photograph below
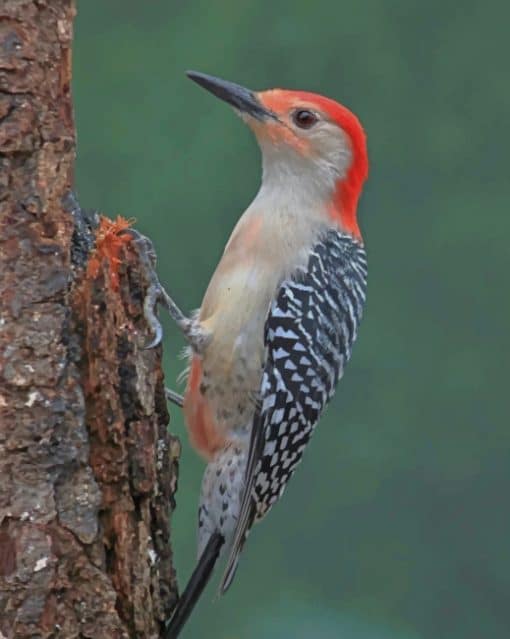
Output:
x=309 y=332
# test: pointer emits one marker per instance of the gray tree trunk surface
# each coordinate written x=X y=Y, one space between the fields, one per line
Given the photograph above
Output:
x=87 y=468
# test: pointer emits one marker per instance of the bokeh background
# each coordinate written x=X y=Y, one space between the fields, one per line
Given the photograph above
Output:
x=397 y=524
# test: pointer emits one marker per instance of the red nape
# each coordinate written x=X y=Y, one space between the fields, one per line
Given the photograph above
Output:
x=345 y=204
x=348 y=189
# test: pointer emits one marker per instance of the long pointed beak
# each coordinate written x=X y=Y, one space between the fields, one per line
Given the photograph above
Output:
x=242 y=99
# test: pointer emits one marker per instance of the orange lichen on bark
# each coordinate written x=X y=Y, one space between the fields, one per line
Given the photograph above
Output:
x=110 y=238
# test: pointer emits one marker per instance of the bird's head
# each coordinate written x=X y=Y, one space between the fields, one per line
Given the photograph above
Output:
x=303 y=137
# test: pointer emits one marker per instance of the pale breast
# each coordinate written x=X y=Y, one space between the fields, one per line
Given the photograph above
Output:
x=262 y=251
x=232 y=362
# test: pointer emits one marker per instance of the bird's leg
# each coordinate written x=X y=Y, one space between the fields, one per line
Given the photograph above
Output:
x=157 y=294
x=174 y=397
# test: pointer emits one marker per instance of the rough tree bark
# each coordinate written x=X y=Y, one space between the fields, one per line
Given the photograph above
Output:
x=87 y=468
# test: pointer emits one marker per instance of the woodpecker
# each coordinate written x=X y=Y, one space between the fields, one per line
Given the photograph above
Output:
x=279 y=318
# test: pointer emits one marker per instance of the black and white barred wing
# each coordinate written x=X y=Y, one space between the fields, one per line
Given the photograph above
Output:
x=309 y=333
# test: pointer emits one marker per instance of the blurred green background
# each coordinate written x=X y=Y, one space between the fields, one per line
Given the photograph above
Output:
x=397 y=525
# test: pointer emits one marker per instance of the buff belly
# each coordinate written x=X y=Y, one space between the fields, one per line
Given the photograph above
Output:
x=223 y=387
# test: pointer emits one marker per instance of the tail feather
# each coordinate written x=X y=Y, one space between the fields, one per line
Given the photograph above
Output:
x=233 y=560
x=195 y=586
x=230 y=572
x=244 y=524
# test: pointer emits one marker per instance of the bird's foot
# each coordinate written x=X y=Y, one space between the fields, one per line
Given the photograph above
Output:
x=156 y=294
x=174 y=397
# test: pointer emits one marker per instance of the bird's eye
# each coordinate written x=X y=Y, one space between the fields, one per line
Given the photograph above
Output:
x=304 y=119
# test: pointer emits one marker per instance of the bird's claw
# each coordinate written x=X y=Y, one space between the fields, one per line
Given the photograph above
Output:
x=150 y=304
x=158 y=336
x=155 y=293
x=147 y=257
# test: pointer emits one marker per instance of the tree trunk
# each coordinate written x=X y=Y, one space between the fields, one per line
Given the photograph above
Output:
x=87 y=468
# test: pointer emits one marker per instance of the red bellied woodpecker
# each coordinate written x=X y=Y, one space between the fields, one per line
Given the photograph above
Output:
x=279 y=318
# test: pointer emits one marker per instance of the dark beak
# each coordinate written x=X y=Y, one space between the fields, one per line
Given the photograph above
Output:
x=242 y=99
